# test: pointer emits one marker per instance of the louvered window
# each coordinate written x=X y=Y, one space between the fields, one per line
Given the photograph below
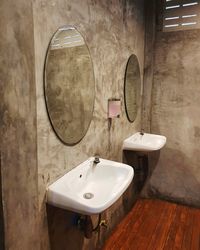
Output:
x=181 y=15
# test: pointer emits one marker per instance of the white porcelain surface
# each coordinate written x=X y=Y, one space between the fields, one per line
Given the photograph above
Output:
x=106 y=181
x=145 y=142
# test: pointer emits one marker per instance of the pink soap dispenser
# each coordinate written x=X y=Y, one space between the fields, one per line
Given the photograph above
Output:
x=114 y=108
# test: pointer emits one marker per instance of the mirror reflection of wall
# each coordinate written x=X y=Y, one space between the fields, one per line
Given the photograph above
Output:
x=69 y=85
x=132 y=86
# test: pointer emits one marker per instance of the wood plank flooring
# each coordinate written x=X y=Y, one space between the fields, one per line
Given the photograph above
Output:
x=157 y=225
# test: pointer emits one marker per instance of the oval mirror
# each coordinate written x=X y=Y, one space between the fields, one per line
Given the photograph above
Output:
x=132 y=86
x=69 y=85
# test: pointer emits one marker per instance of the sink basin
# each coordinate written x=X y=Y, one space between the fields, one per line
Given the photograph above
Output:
x=89 y=188
x=146 y=142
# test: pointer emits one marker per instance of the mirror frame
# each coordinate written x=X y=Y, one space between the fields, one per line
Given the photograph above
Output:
x=138 y=89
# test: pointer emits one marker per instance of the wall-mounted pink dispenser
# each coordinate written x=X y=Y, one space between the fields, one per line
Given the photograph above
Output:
x=114 y=108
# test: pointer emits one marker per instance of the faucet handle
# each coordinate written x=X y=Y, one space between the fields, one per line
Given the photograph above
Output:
x=96 y=159
x=142 y=132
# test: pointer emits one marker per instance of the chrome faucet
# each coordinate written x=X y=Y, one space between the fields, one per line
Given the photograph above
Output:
x=142 y=132
x=96 y=160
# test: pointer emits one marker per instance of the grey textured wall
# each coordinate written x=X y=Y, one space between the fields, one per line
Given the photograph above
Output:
x=150 y=31
x=113 y=31
x=18 y=125
x=175 y=114
x=2 y=234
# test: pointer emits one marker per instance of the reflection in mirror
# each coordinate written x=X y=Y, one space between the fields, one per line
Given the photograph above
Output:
x=132 y=86
x=69 y=85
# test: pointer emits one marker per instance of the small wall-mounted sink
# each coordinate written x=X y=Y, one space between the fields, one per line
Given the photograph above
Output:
x=90 y=188
x=144 y=142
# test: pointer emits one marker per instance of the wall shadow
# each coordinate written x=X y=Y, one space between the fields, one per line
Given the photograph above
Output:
x=2 y=235
x=139 y=162
x=63 y=231
x=153 y=159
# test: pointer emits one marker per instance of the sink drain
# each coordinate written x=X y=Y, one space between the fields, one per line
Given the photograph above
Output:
x=88 y=196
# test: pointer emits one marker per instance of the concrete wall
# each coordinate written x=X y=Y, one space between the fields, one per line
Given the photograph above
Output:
x=2 y=234
x=175 y=114
x=113 y=30
x=18 y=125
x=150 y=31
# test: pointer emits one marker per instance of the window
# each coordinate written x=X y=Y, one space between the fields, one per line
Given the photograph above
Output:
x=181 y=15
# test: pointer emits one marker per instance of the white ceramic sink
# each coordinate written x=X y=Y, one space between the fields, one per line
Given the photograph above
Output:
x=104 y=182
x=145 y=142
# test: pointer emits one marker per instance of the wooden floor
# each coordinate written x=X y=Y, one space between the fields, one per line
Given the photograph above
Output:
x=155 y=224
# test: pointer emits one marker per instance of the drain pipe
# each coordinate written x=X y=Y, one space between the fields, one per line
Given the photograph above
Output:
x=85 y=224
x=98 y=224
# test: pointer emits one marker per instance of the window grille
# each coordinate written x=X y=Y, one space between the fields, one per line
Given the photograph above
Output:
x=181 y=15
